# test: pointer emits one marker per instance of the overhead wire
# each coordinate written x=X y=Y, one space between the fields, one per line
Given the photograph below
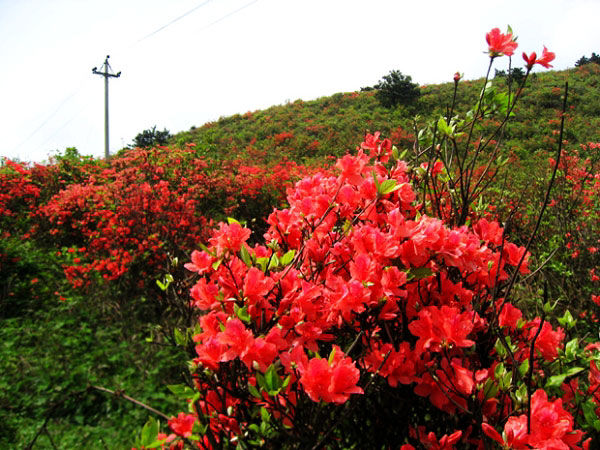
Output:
x=52 y=114
x=228 y=15
x=156 y=31
x=176 y=19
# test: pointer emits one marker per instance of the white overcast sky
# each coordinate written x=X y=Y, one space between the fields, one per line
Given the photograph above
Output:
x=188 y=62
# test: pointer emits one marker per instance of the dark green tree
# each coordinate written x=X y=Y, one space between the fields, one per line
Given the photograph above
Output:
x=151 y=138
x=397 y=89
x=584 y=60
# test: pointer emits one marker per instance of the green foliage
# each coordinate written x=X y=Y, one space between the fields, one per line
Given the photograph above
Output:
x=151 y=137
x=594 y=59
x=397 y=89
x=516 y=74
x=55 y=344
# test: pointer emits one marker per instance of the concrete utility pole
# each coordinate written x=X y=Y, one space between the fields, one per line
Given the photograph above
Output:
x=106 y=74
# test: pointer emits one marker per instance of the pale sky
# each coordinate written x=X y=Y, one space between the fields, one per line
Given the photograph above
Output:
x=188 y=62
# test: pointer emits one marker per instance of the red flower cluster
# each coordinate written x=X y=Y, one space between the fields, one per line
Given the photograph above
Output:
x=152 y=205
x=351 y=254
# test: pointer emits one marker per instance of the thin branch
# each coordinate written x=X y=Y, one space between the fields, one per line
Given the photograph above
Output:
x=547 y=198
x=132 y=400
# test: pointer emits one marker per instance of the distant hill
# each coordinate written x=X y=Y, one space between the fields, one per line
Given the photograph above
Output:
x=307 y=131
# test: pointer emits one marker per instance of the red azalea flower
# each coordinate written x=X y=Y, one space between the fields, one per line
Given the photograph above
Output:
x=546 y=58
x=331 y=381
x=500 y=44
x=532 y=59
x=182 y=424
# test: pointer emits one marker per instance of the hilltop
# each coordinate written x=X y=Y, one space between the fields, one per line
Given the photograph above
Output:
x=307 y=130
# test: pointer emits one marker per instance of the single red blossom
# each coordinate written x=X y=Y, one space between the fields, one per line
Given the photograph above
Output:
x=210 y=353
x=548 y=341
x=332 y=382
x=509 y=316
x=229 y=237
x=239 y=339
x=204 y=295
x=500 y=44
x=546 y=58
x=544 y=61
x=201 y=262
x=182 y=424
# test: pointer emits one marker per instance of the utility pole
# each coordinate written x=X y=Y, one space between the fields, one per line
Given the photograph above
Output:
x=106 y=74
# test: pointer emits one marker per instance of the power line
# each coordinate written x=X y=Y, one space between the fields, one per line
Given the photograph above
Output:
x=228 y=15
x=51 y=116
x=171 y=22
x=174 y=20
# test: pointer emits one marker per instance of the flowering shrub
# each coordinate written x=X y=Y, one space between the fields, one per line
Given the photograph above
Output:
x=152 y=205
x=356 y=295
x=363 y=322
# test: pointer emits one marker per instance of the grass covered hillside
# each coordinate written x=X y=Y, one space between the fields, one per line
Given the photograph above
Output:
x=310 y=130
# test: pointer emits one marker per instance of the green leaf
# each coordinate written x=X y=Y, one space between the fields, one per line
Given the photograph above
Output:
x=524 y=367
x=231 y=220
x=260 y=380
x=253 y=391
x=499 y=371
x=444 y=128
x=264 y=415
x=273 y=382
x=157 y=443
x=387 y=187
x=490 y=388
x=149 y=432
x=521 y=394
x=262 y=263
x=571 y=349
x=574 y=371
x=500 y=349
x=273 y=261
x=567 y=320
x=242 y=313
x=161 y=286
x=331 y=356
x=418 y=273
x=180 y=338
x=245 y=255
x=181 y=390
x=377 y=185
x=556 y=381
x=287 y=258
x=205 y=248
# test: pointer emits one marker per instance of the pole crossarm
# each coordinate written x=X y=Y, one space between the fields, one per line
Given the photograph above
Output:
x=106 y=73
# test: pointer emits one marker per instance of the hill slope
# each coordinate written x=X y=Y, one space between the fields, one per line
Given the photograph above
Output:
x=305 y=130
